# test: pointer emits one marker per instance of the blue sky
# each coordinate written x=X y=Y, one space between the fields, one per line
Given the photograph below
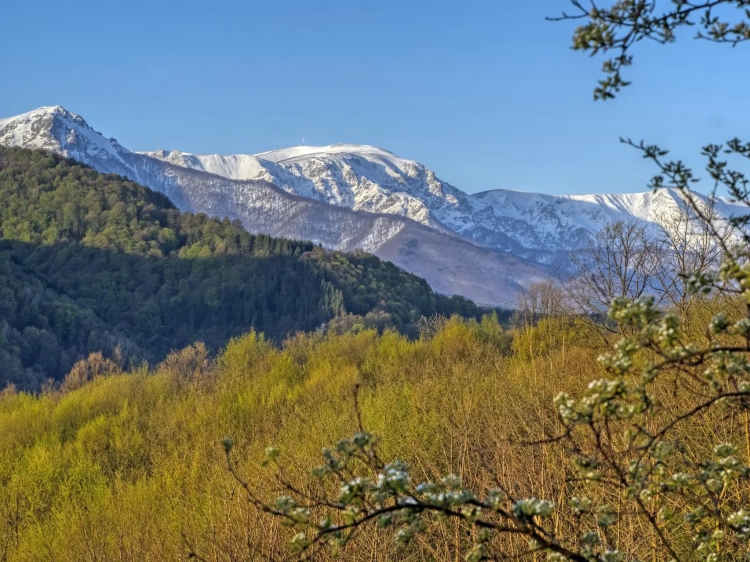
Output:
x=486 y=93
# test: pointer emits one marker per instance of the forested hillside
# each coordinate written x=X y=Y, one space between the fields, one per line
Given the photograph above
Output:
x=94 y=262
x=129 y=465
x=121 y=467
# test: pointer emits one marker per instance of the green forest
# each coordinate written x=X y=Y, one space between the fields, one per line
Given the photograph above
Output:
x=92 y=262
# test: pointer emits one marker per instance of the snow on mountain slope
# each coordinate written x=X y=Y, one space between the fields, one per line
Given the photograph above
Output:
x=231 y=186
x=356 y=196
x=238 y=167
x=360 y=177
x=371 y=179
x=57 y=129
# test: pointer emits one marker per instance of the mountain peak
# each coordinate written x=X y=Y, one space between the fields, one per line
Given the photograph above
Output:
x=341 y=149
x=56 y=129
x=45 y=111
x=51 y=109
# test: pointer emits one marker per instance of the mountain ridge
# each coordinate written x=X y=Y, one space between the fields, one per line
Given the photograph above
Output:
x=505 y=219
x=444 y=258
x=487 y=246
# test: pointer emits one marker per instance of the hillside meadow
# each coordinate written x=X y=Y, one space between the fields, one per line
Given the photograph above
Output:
x=128 y=465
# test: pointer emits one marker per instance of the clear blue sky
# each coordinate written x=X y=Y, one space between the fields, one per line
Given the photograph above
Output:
x=486 y=92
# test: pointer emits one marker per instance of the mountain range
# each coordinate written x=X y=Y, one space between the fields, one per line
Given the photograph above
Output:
x=487 y=246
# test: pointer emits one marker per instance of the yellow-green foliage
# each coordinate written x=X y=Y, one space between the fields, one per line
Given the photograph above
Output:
x=129 y=466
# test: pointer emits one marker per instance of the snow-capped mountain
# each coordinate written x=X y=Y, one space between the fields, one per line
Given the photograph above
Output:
x=362 y=178
x=371 y=179
x=59 y=130
x=486 y=246
x=450 y=263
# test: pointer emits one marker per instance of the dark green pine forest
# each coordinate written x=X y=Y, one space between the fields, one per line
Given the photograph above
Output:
x=93 y=262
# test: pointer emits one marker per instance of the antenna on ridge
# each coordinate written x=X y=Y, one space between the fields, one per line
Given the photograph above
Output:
x=303 y=141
